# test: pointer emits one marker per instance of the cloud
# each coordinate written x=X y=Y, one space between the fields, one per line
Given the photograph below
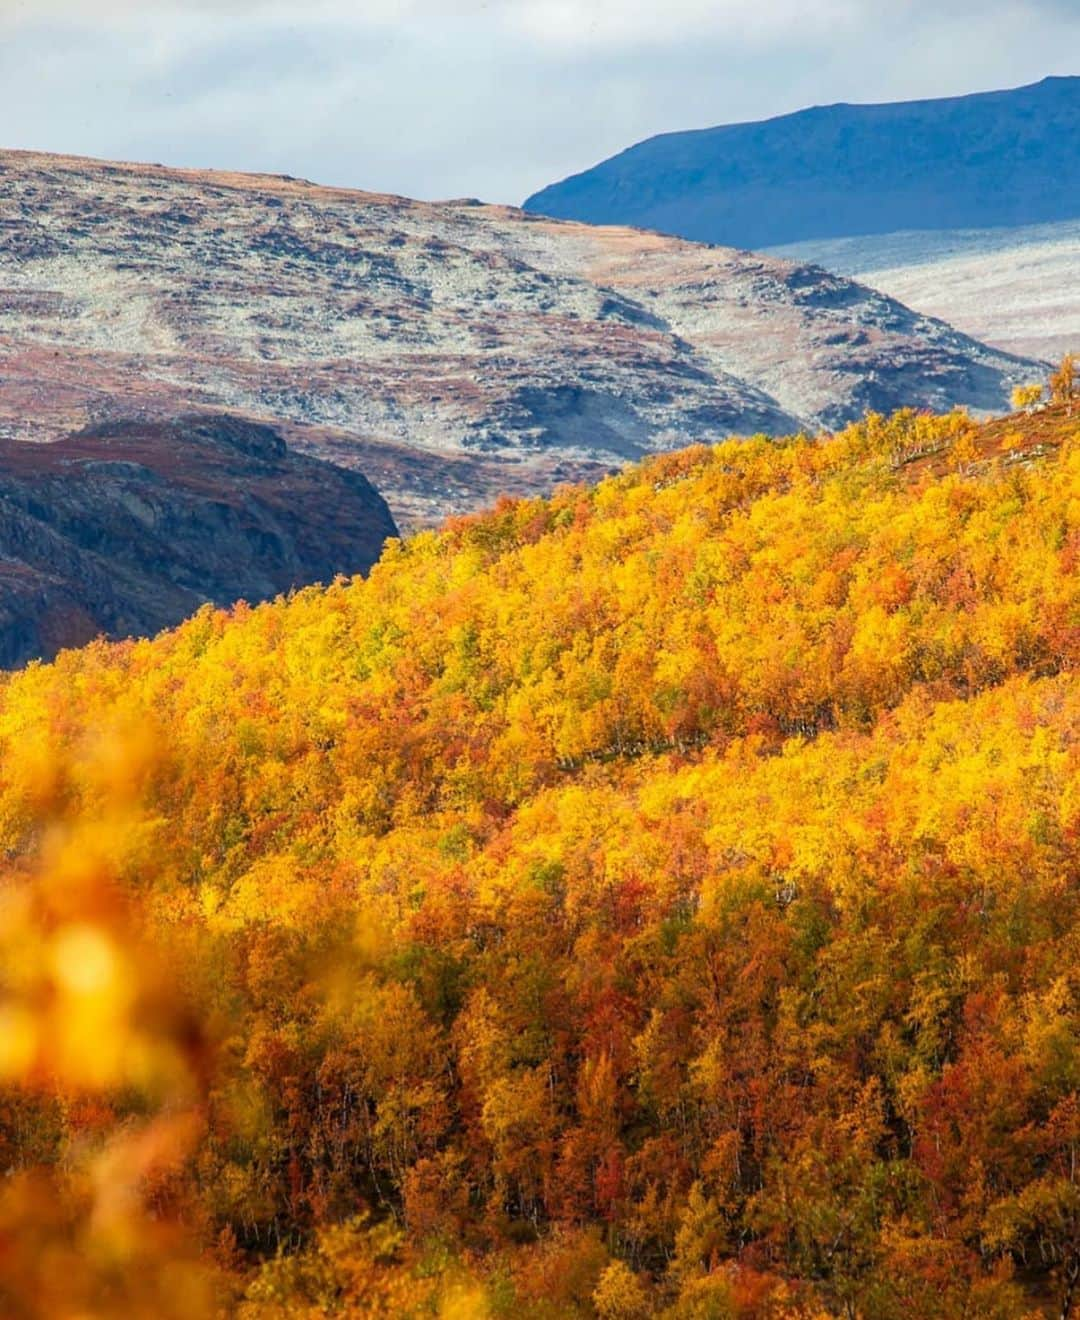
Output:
x=611 y=24
x=492 y=98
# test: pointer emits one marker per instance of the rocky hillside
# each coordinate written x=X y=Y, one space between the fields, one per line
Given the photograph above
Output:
x=967 y=208
x=1018 y=289
x=127 y=528
x=449 y=351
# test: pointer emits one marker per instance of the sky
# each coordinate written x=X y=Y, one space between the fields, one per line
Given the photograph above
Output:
x=478 y=98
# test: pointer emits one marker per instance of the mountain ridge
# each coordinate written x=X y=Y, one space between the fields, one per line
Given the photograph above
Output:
x=450 y=351
x=733 y=183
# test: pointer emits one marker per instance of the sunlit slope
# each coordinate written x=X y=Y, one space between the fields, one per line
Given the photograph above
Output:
x=679 y=875
x=1018 y=288
x=450 y=351
x=746 y=589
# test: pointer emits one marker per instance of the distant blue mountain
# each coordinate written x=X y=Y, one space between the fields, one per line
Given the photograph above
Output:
x=984 y=161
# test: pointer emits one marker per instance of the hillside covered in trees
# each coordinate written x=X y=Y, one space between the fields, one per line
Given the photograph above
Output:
x=662 y=899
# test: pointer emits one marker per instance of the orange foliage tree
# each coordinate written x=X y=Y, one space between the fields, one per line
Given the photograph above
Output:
x=658 y=899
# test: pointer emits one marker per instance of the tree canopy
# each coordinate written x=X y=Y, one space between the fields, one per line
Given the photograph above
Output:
x=659 y=899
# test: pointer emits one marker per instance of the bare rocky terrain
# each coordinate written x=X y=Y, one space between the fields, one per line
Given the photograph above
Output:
x=1016 y=288
x=449 y=351
x=128 y=527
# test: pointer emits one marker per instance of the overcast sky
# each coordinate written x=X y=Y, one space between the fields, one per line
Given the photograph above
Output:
x=486 y=98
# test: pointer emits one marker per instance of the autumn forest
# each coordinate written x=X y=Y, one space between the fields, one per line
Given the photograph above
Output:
x=659 y=899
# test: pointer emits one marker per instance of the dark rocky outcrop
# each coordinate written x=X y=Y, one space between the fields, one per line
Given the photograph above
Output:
x=127 y=528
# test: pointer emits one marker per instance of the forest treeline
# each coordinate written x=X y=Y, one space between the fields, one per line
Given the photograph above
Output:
x=661 y=899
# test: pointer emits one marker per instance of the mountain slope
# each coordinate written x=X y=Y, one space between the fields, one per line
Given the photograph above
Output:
x=126 y=529
x=993 y=159
x=659 y=900
x=1016 y=288
x=450 y=351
